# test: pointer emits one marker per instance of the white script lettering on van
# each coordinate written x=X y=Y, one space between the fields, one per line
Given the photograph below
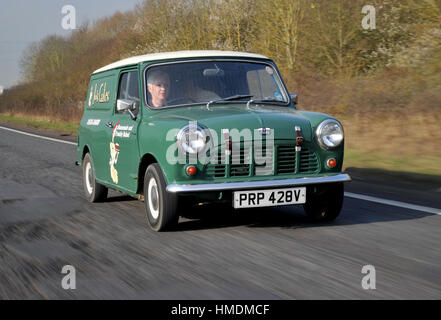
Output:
x=93 y=122
x=123 y=131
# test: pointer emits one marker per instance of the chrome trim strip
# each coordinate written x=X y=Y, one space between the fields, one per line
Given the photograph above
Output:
x=178 y=188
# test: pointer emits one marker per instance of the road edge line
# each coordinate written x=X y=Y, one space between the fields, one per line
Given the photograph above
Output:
x=38 y=136
x=394 y=203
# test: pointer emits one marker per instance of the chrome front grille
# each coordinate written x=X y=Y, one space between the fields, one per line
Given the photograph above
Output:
x=240 y=161
x=286 y=159
x=308 y=162
x=217 y=170
x=240 y=165
x=264 y=167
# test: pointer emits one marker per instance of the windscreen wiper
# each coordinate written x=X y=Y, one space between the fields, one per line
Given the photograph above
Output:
x=231 y=98
x=263 y=100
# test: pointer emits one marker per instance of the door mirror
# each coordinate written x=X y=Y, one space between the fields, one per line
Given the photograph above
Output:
x=126 y=105
x=294 y=98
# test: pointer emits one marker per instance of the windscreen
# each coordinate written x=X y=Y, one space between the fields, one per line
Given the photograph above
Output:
x=200 y=82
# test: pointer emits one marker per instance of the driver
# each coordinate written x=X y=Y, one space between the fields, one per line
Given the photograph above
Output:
x=158 y=85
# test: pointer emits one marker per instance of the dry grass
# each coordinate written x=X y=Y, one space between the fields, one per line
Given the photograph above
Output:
x=391 y=121
x=416 y=135
x=397 y=142
x=41 y=122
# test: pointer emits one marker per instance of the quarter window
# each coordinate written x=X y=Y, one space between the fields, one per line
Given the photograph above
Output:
x=129 y=88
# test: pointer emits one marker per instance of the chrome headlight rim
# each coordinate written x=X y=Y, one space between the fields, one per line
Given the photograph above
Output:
x=319 y=133
x=186 y=148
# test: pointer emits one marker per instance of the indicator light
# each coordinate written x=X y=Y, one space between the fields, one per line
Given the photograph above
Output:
x=331 y=163
x=191 y=170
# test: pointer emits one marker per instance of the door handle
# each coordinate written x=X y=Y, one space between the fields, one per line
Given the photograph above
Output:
x=109 y=124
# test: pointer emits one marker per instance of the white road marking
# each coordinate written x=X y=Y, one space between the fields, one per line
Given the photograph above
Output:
x=393 y=203
x=347 y=194
x=38 y=136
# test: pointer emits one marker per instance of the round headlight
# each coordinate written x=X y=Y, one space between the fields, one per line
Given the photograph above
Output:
x=191 y=139
x=330 y=134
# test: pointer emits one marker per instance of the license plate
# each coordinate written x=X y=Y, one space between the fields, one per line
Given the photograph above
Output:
x=269 y=198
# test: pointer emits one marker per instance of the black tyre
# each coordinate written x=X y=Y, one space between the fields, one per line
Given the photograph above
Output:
x=326 y=203
x=161 y=206
x=93 y=191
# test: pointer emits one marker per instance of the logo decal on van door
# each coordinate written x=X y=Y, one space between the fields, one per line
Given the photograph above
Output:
x=114 y=153
x=99 y=94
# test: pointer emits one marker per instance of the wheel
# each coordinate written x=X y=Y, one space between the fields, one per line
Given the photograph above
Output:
x=326 y=203
x=161 y=206
x=93 y=190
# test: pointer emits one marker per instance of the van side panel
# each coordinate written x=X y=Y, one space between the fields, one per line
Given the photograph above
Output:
x=93 y=130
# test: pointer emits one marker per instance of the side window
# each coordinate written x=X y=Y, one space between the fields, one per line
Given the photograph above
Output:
x=129 y=88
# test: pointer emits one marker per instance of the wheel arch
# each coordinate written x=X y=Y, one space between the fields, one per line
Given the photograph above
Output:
x=85 y=150
x=146 y=160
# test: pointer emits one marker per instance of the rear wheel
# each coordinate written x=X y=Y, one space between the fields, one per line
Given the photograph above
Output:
x=93 y=191
x=161 y=206
x=325 y=203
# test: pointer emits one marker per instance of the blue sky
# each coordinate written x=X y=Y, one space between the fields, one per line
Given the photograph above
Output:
x=25 y=21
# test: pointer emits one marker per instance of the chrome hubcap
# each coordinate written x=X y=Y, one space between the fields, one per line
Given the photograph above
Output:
x=153 y=198
x=89 y=178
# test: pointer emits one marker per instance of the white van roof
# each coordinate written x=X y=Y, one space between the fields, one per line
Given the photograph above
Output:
x=176 y=55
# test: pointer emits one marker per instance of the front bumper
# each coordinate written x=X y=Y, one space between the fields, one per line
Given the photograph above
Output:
x=247 y=185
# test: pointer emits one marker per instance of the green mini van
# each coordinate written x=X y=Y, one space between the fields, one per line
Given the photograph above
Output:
x=198 y=127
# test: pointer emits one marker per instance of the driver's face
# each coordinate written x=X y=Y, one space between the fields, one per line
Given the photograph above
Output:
x=159 y=90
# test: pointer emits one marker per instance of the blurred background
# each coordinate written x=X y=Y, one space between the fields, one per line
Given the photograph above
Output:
x=382 y=83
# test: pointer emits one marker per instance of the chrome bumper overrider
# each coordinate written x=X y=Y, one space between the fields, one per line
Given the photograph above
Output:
x=178 y=188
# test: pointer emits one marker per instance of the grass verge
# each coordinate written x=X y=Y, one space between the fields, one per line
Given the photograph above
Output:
x=40 y=123
x=428 y=165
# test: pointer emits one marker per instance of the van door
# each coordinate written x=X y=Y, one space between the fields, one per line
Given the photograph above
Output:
x=122 y=133
x=93 y=131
